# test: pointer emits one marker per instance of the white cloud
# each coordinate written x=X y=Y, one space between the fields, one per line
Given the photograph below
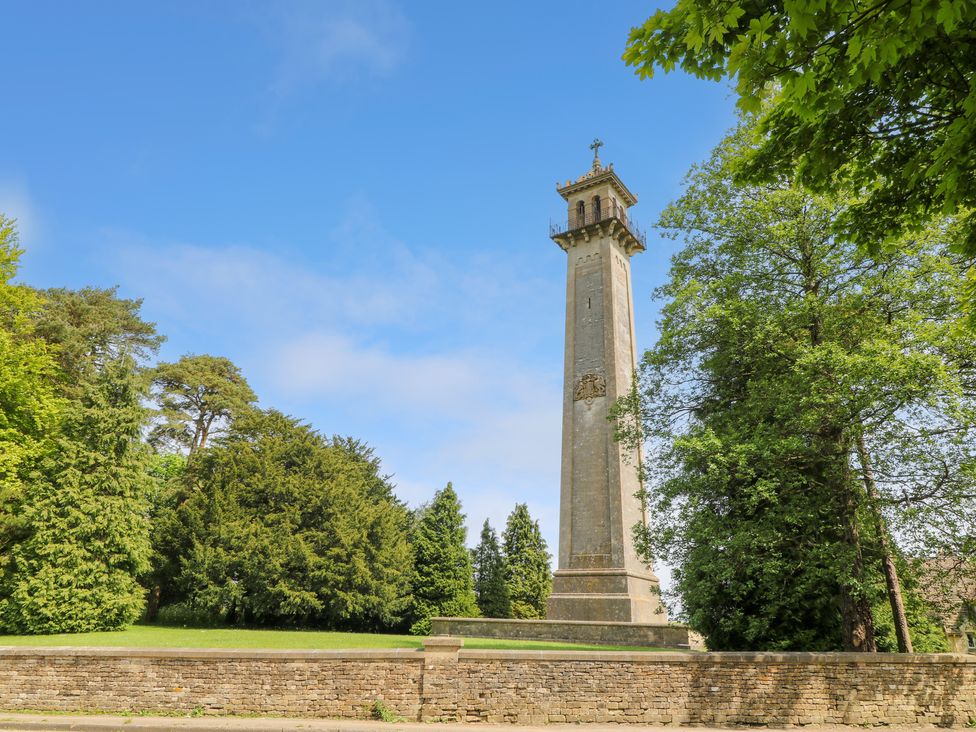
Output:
x=336 y=40
x=441 y=364
x=324 y=365
x=259 y=292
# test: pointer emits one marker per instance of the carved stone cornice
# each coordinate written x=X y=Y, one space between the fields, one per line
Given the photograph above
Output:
x=596 y=178
x=612 y=228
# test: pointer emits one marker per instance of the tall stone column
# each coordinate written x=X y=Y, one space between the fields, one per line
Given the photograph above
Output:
x=600 y=577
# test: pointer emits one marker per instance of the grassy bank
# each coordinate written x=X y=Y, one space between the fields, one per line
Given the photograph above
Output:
x=159 y=636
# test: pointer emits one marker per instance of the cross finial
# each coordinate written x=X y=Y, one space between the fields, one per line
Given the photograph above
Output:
x=595 y=147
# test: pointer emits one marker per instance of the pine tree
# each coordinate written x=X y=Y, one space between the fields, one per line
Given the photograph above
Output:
x=443 y=583
x=489 y=576
x=527 y=571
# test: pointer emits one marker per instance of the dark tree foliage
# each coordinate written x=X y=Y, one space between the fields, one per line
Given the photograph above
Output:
x=490 y=587
x=168 y=536
x=527 y=571
x=443 y=583
x=283 y=528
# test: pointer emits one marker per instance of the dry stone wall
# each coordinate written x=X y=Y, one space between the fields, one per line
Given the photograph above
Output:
x=443 y=683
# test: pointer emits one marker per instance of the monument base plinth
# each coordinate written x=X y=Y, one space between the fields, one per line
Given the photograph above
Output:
x=605 y=595
x=653 y=635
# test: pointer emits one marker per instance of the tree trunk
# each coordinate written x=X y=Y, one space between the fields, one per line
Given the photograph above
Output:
x=152 y=603
x=855 y=607
x=887 y=559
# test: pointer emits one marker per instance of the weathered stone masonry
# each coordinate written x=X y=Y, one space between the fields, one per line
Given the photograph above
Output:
x=445 y=684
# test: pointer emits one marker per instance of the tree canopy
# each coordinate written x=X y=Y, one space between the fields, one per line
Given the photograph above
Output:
x=878 y=97
x=791 y=366
x=443 y=582
x=197 y=396
x=82 y=521
x=490 y=588
x=527 y=571
x=284 y=529
x=29 y=403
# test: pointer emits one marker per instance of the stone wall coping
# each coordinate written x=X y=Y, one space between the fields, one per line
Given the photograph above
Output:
x=443 y=643
x=379 y=654
x=523 y=621
x=451 y=642
x=711 y=657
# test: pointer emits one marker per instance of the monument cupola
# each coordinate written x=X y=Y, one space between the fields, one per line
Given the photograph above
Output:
x=600 y=575
x=597 y=204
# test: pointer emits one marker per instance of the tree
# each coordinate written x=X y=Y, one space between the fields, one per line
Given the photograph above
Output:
x=169 y=537
x=29 y=404
x=197 y=397
x=876 y=96
x=283 y=528
x=527 y=571
x=443 y=583
x=490 y=587
x=790 y=362
x=84 y=514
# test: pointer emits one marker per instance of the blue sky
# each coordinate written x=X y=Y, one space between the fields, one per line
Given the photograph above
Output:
x=350 y=200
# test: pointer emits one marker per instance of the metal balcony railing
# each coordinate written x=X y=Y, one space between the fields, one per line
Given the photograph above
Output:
x=592 y=213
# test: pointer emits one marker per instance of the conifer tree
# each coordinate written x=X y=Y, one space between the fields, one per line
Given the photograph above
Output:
x=85 y=535
x=527 y=571
x=198 y=397
x=29 y=406
x=443 y=583
x=489 y=576
x=286 y=528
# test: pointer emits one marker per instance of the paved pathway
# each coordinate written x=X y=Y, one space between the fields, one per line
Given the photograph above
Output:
x=105 y=723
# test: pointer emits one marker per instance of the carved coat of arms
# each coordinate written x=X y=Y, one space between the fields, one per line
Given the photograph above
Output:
x=589 y=387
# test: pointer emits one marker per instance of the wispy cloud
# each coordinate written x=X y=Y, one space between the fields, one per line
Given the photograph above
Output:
x=436 y=362
x=336 y=40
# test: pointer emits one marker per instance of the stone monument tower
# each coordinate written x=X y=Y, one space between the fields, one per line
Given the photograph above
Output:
x=600 y=576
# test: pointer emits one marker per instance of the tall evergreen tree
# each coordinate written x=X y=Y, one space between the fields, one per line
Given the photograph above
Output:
x=29 y=403
x=527 y=571
x=86 y=535
x=443 y=583
x=489 y=576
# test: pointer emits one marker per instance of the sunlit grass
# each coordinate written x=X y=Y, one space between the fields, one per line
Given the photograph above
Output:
x=160 y=636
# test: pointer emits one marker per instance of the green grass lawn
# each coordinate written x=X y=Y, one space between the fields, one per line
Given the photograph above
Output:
x=159 y=636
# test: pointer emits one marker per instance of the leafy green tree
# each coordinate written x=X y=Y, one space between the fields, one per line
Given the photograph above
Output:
x=29 y=405
x=86 y=535
x=791 y=364
x=926 y=631
x=283 y=528
x=489 y=576
x=527 y=571
x=443 y=583
x=198 y=396
x=876 y=96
